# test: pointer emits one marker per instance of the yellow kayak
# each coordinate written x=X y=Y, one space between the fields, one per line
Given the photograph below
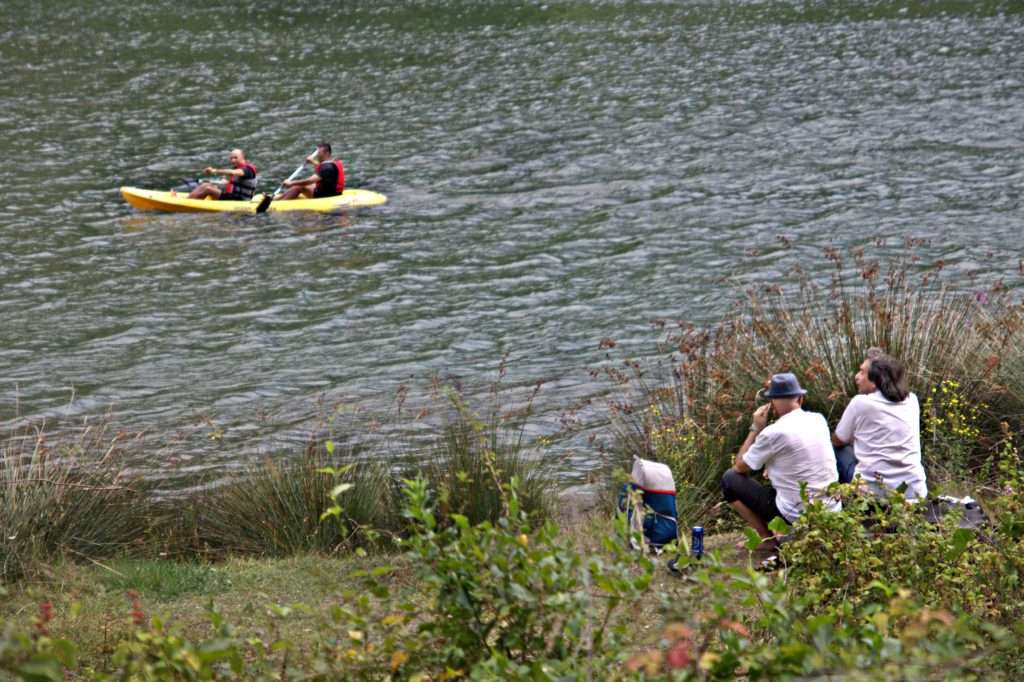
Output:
x=178 y=201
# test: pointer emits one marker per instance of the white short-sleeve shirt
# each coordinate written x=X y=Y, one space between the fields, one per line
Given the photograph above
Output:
x=796 y=448
x=886 y=438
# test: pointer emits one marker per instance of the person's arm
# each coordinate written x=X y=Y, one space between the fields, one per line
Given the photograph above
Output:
x=739 y=465
x=757 y=423
x=311 y=180
x=232 y=172
x=844 y=429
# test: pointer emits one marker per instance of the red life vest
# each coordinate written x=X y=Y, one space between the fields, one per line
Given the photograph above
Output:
x=340 y=187
x=243 y=185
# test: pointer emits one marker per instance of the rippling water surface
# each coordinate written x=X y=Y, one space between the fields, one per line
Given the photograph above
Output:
x=557 y=174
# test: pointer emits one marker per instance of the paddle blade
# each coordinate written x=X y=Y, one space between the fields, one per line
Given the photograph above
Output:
x=265 y=203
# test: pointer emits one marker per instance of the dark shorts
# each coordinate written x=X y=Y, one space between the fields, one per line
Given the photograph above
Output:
x=320 y=194
x=760 y=499
x=232 y=196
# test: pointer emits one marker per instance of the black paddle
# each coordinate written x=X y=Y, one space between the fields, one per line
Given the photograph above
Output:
x=268 y=198
x=264 y=203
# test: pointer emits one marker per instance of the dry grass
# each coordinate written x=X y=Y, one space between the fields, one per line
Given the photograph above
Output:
x=72 y=499
x=274 y=508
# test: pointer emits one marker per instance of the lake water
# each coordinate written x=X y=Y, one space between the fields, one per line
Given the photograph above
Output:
x=558 y=174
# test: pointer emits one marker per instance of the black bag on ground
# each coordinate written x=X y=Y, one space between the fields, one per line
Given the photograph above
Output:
x=971 y=514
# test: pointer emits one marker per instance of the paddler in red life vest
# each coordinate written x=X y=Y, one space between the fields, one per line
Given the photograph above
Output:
x=327 y=180
x=241 y=184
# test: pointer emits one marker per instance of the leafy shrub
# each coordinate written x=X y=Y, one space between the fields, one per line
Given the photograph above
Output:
x=842 y=556
x=757 y=627
x=506 y=599
x=158 y=653
x=846 y=559
x=949 y=431
x=502 y=593
x=36 y=655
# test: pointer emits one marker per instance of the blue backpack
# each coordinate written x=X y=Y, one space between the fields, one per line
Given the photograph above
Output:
x=649 y=500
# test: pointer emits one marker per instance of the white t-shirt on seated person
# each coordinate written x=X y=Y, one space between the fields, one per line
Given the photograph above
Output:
x=796 y=448
x=886 y=438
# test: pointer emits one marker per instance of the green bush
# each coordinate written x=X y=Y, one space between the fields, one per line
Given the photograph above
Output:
x=842 y=556
x=885 y=547
x=758 y=627
x=504 y=592
x=156 y=652
x=506 y=599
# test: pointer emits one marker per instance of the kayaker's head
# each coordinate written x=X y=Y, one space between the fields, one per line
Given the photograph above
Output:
x=237 y=158
x=323 y=151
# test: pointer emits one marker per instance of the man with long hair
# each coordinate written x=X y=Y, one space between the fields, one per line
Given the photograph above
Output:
x=883 y=425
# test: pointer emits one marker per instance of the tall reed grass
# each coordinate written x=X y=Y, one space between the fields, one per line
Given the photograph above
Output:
x=696 y=418
x=72 y=499
x=274 y=508
x=473 y=459
x=67 y=499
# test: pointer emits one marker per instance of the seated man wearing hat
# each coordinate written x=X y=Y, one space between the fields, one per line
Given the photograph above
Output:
x=795 y=449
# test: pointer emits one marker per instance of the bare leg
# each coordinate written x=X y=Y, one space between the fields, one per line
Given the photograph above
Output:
x=295 y=192
x=206 y=189
x=752 y=519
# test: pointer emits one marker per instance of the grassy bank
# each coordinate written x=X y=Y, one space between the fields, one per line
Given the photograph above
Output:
x=567 y=601
x=74 y=499
x=92 y=606
x=330 y=566
x=280 y=599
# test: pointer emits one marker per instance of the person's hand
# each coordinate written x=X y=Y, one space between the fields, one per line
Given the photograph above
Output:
x=288 y=183
x=760 y=418
x=209 y=170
